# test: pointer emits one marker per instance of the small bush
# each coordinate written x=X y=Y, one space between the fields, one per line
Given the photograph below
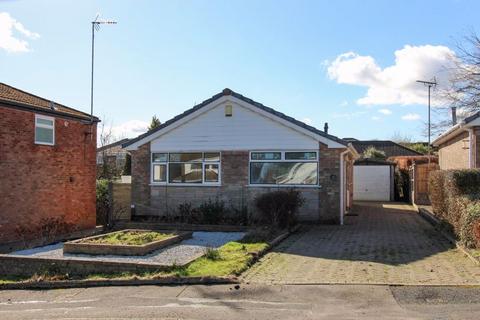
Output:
x=455 y=201
x=373 y=153
x=103 y=201
x=279 y=208
x=212 y=212
x=212 y=254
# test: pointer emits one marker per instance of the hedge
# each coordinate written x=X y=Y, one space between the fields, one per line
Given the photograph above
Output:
x=455 y=201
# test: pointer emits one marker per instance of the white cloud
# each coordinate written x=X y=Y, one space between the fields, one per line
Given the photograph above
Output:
x=385 y=111
x=130 y=129
x=9 y=41
x=411 y=117
x=375 y=118
x=344 y=103
x=395 y=84
x=307 y=121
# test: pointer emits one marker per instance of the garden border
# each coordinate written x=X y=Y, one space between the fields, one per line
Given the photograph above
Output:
x=168 y=280
x=82 y=247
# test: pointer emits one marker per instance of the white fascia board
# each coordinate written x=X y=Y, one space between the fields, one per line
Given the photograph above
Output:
x=455 y=130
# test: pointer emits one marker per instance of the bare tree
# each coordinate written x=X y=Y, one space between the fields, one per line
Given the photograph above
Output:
x=464 y=88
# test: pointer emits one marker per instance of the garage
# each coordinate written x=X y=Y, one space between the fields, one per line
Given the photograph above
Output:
x=373 y=180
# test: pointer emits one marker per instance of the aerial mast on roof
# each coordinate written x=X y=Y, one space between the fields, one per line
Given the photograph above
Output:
x=430 y=85
x=95 y=27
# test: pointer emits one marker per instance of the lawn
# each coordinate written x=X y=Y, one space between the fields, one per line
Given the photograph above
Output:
x=130 y=238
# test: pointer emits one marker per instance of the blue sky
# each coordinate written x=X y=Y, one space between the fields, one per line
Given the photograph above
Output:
x=349 y=63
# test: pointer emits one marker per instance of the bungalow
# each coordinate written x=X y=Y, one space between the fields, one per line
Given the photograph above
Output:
x=459 y=147
x=234 y=148
x=47 y=163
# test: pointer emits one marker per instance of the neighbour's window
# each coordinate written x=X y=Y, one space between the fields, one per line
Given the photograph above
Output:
x=284 y=168
x=186 y=168
x=44 y=130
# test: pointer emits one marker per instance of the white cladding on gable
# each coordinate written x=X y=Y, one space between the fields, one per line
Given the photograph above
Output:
x=244 y=130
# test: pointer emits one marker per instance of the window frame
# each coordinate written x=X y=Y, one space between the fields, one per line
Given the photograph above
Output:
x=44 y=126
x=282 y=159
x=203 y=162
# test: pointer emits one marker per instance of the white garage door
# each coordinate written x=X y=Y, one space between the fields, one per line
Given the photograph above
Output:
x=371 y=183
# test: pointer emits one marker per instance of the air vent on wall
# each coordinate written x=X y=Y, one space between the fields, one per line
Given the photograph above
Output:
x=228 y=110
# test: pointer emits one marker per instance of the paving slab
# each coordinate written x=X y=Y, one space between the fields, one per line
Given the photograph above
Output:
x=384 y=243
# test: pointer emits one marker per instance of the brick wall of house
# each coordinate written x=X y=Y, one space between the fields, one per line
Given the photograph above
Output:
x=454 y=154
x=41 y=182
x=141 y=178
x=322 y=204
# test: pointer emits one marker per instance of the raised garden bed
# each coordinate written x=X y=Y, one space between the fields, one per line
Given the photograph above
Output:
x=129 y=242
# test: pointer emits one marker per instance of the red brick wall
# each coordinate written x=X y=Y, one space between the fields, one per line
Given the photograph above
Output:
x=40 y=182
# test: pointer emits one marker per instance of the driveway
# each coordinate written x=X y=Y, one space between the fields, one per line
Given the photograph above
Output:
x=382 y=244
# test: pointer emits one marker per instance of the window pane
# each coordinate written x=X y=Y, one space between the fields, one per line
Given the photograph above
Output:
x=211 y=172
x=212 y=156
x=45 y=121
x=185 y=173
x=185 y=157
x=159 y=157
x=43 y=135
x=283 y=173
x=159 y=172
x=300 y=156
x=266 y=155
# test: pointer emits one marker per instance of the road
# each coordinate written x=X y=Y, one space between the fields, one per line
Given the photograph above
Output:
x=244 y=302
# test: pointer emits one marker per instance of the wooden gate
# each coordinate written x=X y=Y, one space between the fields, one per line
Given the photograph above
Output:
x=419 y=176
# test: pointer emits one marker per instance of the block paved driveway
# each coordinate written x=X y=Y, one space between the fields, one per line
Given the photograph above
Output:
x=385 y=244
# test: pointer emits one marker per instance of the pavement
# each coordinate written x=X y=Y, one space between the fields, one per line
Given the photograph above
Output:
x=244 y=302
x=380 y=244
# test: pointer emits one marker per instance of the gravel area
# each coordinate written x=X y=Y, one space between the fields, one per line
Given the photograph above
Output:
x=179 y=254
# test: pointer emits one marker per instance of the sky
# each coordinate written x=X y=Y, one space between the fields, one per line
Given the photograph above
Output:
x=352 y=64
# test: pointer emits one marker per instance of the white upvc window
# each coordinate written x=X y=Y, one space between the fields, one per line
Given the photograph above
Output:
x=185 y=168
x=283 y=168
x=44 y=130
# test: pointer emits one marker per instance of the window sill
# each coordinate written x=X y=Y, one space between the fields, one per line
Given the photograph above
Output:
x=284 y=186
x=45 y=144
x=184 y=185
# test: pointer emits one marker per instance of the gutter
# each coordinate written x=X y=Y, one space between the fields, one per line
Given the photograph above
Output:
x=342 y=185
x=23 y=106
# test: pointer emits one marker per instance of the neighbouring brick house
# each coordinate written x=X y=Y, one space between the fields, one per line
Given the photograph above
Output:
x=47 y=167
x=233 y=148
x=459 y=147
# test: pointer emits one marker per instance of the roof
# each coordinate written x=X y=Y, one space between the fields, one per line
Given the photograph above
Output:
x=228 y=92
x=391 y=149
x=373 y=162
x=114 y=144
x=458 y=128
x=21 y=99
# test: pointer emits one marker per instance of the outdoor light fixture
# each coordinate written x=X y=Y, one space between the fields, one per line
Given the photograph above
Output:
x=95 y=27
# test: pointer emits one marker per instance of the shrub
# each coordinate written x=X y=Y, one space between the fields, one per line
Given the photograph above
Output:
x=455 y=201
x=103 y=201
x=470 y=232
x=212 y=212
x=279 y=208
x=372 y=153
x=212 y=254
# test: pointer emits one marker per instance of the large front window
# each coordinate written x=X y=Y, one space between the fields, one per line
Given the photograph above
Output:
x=186 y=168
x=284 y=168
